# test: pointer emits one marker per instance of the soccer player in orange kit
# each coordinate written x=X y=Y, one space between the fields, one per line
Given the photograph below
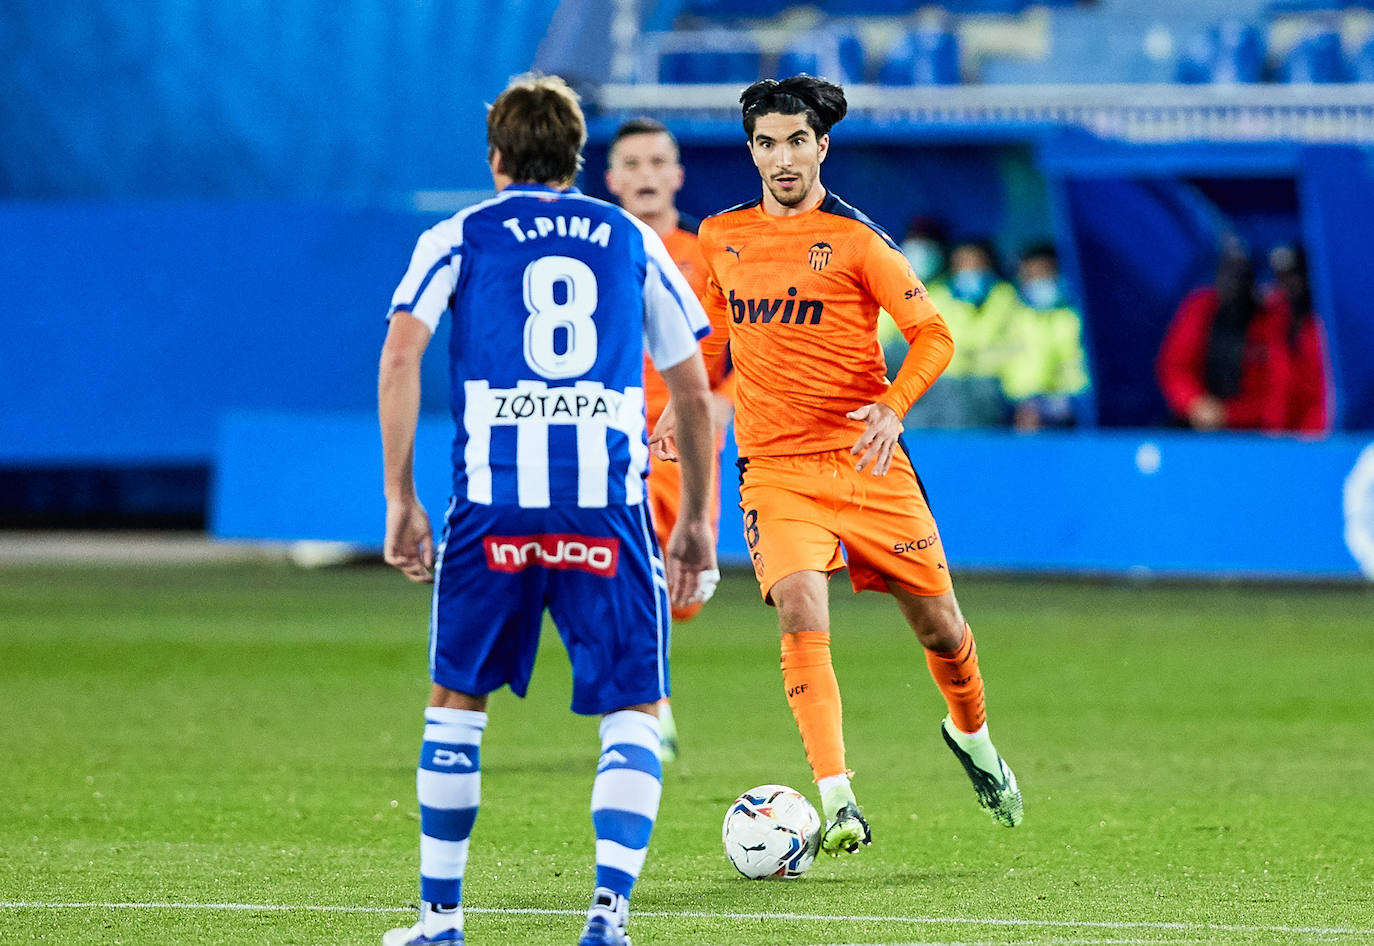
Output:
x=644 y=173
x=797 y=279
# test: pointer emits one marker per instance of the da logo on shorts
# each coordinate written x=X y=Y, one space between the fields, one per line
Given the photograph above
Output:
x=584 y=553
x=819 y=255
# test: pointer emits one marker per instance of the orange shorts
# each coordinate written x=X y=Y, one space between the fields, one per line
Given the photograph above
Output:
x=815 y=512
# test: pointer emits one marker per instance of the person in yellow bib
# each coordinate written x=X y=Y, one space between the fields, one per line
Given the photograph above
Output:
x=979 y=307
x=1045 y=373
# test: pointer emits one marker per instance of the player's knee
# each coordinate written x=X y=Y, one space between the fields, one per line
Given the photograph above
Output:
x=806 y=615
x=939 y=631
x=940 y=639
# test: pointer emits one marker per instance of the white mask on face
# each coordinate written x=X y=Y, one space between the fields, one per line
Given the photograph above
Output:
x=1043 y=292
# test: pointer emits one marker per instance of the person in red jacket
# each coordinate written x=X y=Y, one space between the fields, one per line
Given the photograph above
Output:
x=1234 y=359
x=1290 y=305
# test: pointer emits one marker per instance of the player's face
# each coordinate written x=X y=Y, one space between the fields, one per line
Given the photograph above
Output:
x=788 y=155
x=644 y=174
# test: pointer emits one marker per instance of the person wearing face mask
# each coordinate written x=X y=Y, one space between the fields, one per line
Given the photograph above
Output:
x=1236 y=359
x=1048 y=369
x=926 y=248
x=1290 y=302
x=979 y=307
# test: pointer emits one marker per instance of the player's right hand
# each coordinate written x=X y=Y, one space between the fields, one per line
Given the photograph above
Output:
x=409 y=542
x=875 y=445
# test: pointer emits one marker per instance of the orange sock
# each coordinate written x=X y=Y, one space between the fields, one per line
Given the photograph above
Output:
x=814 y=696
x=956 y=674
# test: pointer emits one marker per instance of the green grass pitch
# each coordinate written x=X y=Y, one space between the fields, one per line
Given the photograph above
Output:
x=226 y=755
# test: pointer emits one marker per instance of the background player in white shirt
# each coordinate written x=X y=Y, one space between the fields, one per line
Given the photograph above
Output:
x=555 y=298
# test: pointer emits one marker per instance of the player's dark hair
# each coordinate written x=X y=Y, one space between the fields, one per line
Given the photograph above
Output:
x=984 y=246
x=538 y=126
x=1041 y=249
x=821 y=101
x=644 y=126
x=924 y=227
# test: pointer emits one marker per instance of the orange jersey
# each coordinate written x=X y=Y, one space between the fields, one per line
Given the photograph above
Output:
x=683 y=248
x=797 y=299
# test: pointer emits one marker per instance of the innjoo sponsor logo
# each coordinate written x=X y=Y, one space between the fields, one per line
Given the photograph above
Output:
x=514 y=553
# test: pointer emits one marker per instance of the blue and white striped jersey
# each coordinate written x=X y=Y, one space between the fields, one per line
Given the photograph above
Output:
x=555 y=297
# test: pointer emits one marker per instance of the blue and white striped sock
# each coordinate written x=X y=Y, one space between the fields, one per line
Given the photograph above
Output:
x=449 y=785
x=625 y=796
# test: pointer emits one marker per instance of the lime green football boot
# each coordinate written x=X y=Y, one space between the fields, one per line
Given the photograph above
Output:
x=845 y=826
x=992 y=778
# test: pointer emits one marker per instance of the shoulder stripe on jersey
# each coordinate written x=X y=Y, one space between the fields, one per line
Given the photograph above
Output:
x=424 y=283
x=744 y=206
x=834 y=205
x=452 y=223
x=663 y=279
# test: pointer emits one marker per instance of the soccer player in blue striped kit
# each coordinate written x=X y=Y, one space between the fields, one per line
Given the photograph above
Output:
x=555 y=299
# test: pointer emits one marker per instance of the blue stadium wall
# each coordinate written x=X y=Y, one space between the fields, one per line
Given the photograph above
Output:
x=203 y=211
x=345 y=100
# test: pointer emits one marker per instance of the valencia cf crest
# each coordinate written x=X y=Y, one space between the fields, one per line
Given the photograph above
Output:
x=819 y=255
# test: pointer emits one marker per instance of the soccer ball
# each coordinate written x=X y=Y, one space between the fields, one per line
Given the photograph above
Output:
x=771 y=832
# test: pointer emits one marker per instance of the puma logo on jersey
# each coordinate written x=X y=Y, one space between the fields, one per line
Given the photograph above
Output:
x=791 y=310
x=731 y=249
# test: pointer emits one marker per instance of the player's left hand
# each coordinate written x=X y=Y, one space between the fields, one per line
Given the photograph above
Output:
x=691 y=563
x=882 y=427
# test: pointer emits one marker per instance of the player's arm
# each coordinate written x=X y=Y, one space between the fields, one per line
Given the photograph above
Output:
x=416 y=307
x=715 y=352
x=673 y=325
x=691 y=549
x=723 y=401
x=1181 y=364
x=715 y=357
x=891 y=282
x=409 y=543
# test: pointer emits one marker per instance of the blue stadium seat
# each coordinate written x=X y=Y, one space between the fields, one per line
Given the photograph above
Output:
x=1230 y=53
x=1317 y=58
x=1362 y=63
x=836 y=54
x=1239 y=54
x=1195 y=60
x=708 y=65
x=922 y=57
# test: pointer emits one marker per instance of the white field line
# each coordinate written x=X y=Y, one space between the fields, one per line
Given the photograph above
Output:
x=1180 y=926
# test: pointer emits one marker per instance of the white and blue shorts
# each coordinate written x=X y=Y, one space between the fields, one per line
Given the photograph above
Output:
x=599 y=574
